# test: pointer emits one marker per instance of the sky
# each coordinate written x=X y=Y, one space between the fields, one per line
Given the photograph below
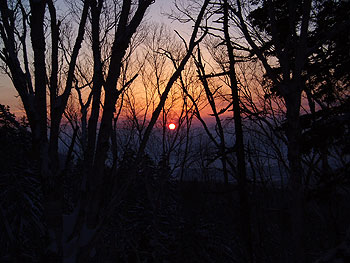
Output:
x=8 y=94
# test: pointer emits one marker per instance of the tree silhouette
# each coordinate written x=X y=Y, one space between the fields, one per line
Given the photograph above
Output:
x=287 y=32
x=94 y=175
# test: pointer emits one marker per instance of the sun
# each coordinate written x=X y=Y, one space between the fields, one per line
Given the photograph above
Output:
x=171 y=126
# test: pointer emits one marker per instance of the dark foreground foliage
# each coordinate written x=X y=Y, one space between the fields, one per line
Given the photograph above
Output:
x=160 y=219
x=21 y=211
x=199 y=222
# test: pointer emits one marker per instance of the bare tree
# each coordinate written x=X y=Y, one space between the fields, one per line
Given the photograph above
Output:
x=193 y=42
x=126 y=21
x=291 y=50
x=32 y=88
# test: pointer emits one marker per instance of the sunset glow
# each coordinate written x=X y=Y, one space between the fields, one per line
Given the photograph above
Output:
x=93 y=166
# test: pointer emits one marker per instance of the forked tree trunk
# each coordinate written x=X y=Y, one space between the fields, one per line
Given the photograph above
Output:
x=52 y=193
x=91 y=201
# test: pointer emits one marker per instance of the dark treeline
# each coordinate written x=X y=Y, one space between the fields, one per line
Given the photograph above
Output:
x=257 y=169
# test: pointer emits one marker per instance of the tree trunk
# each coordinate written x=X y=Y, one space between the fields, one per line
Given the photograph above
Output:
x=211 y=100
x=295 y=185
x=52 y=193
x=95 y=177
x=245 y=235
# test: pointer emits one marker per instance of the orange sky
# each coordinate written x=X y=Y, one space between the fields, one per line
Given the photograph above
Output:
x=8 y=93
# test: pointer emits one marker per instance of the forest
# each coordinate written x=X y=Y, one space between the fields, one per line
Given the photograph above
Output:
x=221 y=135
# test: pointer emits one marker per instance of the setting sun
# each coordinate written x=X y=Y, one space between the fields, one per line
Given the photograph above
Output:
x=172 y=126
